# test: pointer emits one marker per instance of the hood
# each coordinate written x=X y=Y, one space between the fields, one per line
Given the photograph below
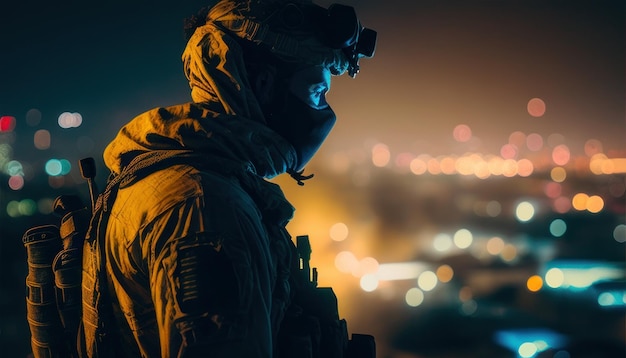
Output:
x=213 y=64
x=203 y=129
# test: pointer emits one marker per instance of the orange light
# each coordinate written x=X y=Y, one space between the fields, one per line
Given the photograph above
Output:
x=445 y=273
x=579 y=201
x=595 y=204
x=534 y=283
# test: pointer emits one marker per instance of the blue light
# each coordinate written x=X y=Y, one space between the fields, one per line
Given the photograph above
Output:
x=66 y=166
x=54 y=167
x=612 y=299
x=529 y=341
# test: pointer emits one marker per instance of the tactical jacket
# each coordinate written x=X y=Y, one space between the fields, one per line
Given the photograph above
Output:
x=197 y=257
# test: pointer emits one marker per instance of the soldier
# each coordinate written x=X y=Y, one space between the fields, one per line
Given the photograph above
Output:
x=191 y=256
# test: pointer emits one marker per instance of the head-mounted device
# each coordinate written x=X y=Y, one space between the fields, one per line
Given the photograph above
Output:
x=287 y=27
x=342 y=29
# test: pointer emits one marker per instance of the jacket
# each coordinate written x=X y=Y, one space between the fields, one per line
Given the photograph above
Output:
x=197 y=255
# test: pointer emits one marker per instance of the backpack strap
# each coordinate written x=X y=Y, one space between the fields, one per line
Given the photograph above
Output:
x=99 y=333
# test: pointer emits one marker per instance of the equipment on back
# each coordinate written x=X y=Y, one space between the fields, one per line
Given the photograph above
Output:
x=68 y=304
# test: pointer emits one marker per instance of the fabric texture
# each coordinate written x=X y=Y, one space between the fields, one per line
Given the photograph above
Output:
x=197 y=253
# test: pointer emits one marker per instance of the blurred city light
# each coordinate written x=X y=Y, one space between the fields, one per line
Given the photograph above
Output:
x=462 y=133
x=527 y=342
x=619 y=233
x=445 y=273
x=7 y=123
x=463 y=238
x=380 y=155
x=414 y=297
x=400 y=271
x=338 y=232
x=442 y=242
x=427 y=281
x=579 y=274
x=534 y=283
x=536 y=107
x=42 y=139
x=33 y=117
x=558 y=227
x=524 y=211
x=70 y=120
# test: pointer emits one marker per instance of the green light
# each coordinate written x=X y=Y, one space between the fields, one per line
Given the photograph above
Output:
x=54 y=167
x=558 y=228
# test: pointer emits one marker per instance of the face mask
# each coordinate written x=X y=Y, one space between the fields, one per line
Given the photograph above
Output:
x=304 y=127
x=300 y=113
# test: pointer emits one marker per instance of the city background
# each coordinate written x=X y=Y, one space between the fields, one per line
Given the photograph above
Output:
x=470 y=201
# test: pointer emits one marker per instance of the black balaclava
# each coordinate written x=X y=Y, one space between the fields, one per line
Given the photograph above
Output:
x=300 y=113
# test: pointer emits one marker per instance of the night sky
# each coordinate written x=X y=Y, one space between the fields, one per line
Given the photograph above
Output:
x=438 y=64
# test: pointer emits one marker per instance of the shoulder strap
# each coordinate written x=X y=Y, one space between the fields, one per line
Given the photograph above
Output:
x=99 y=333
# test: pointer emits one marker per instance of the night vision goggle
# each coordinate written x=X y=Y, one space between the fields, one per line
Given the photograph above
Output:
x=282 y=29
x=338 y=27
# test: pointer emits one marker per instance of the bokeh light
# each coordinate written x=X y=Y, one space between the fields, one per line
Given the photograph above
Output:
x=16 y=182
x=427 y=281
x=54 y=167
x=414 y=297
x=468 y=308
x=495 y=245
x=593 y=147
x=70 y=120
x=525 y=168
x=536 y=107
x=493 y=208
x=509 y=253
x=381 y=155
x=7 y=123
x=508 y=151
x=33 y=117
x=14 y=168
x=561 y=154
x=554 y=277
x=45 y=206
x=558 y=174
x=365 y=266
x=527 y=350
x=517 y=138
x=558 y=227
x=595 y=204
x=534 y=142
x=524 y=211
x=562 y=204
x=465 y=294
x=442 y=242
x=553 y=190
x=345 y=261
x=534 y=283
x=339 y=232
x=369 y=282
x=42 y=139
x=418 y=166
x=579 y=201
x=462 y=133
x=445 y=273
x=463 y=238
x=619 y=233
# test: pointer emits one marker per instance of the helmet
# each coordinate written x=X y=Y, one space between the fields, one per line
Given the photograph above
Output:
x=299 y=31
